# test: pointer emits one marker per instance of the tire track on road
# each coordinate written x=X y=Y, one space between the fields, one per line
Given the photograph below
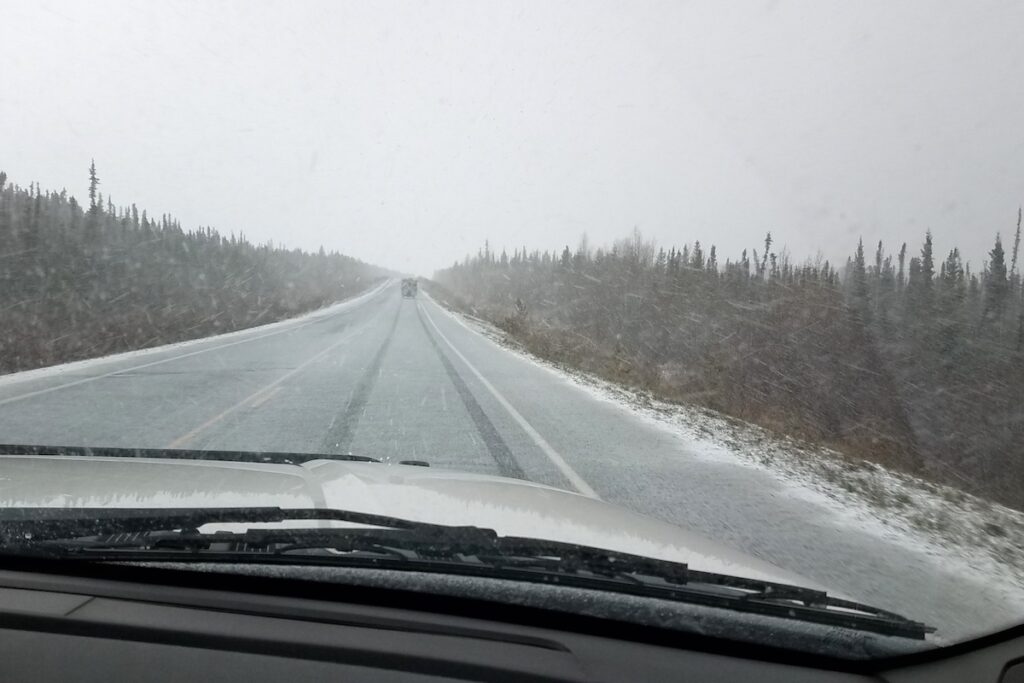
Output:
x=554 y=456
x=496 y=446
x=341 y=431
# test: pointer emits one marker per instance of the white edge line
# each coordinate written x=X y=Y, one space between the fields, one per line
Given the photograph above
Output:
x=280 y=327
x=575 y=479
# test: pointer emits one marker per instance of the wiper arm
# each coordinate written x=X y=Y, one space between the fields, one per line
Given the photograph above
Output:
x=142 y=528
x=394 y=543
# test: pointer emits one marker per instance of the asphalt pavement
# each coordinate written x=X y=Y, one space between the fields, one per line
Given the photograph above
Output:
x=399 y=379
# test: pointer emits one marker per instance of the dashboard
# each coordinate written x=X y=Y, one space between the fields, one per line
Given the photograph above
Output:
x=143 y=626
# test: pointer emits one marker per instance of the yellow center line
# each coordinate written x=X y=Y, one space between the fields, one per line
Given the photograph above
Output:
x=260 y=395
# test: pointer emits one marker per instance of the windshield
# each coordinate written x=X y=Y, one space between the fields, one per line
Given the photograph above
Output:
x=730 y=291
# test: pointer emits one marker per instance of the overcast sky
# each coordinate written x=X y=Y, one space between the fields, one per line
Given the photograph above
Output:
x=407 y=133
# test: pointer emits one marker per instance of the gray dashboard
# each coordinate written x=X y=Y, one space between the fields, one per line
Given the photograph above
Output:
x=57 y=627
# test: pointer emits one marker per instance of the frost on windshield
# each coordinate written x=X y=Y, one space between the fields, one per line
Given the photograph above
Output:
x=809 y=351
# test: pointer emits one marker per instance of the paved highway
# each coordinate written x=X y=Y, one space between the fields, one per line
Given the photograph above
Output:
x=400 y=379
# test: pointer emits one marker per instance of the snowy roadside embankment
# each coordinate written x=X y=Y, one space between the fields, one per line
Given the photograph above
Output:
x=255 y=332
x=940 y=521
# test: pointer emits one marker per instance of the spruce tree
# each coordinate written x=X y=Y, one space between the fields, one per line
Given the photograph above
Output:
x=94 y=182
x=996 y=284
x=859 y=279
x=927 y=266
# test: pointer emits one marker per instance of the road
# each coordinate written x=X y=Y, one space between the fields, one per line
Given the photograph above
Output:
x=400 y=379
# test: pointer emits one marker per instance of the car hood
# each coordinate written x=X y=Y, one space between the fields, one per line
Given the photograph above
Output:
x=509 y=506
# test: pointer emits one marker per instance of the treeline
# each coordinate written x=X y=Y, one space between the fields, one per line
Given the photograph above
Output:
x=82 y=281
x=905 y=359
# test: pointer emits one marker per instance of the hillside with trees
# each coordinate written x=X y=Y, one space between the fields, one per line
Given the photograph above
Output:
x=909 y=359
x=78 y=281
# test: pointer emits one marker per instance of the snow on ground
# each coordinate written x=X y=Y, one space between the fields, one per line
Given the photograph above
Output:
x=985 y=538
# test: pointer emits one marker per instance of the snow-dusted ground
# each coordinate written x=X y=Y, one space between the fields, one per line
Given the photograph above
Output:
x=976 y=537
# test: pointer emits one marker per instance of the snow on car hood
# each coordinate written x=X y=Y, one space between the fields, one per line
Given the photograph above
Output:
x=509 y=506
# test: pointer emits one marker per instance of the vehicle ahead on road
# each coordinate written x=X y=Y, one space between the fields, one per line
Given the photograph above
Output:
x=409 y=287
x=353 y=565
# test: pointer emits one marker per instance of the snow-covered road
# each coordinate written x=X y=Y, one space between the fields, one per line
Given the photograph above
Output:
x=401 y=379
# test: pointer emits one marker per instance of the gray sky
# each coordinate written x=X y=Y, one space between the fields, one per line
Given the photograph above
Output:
x=407 y=133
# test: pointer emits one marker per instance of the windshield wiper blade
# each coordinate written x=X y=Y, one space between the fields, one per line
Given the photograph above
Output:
x=393 y=543
x=650 y=578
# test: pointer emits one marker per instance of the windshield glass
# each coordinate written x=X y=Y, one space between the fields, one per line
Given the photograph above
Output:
x=723 y=289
